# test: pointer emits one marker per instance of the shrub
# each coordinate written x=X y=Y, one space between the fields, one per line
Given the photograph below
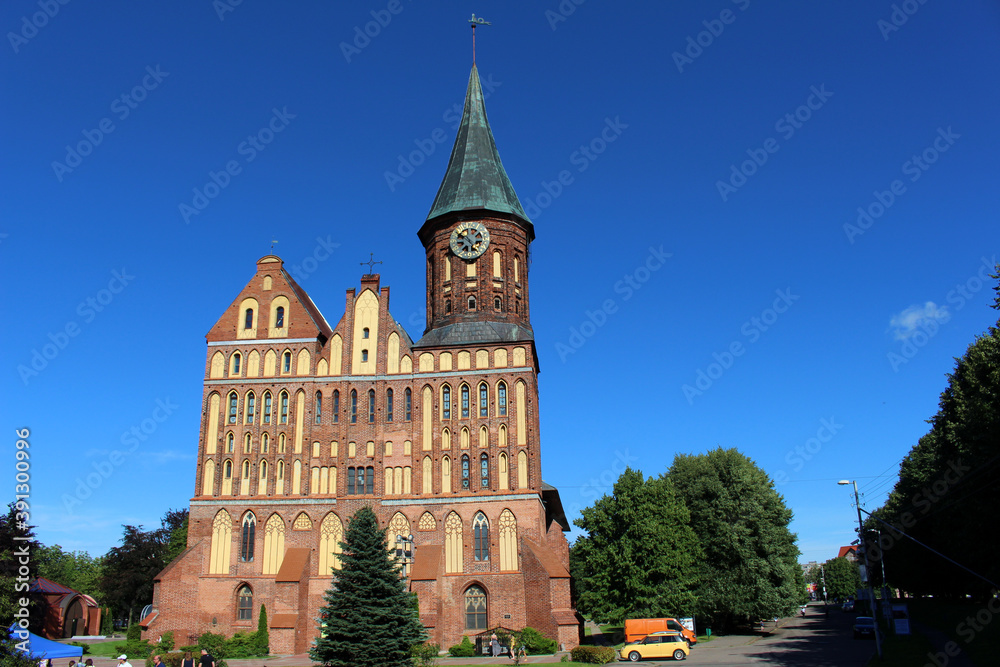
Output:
x=425 y=655
x=134 y=632
x=241 y=645
x=193 y=648
x=214 y=644
x=465 y=649
x=85 y=647
x=138 y=648
x=594 y=655
x=536 y=643
x=166 y=643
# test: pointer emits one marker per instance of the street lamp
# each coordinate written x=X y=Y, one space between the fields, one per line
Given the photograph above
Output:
x=867 y=581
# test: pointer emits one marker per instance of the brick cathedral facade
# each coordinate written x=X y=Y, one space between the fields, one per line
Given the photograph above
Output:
x=303 y=423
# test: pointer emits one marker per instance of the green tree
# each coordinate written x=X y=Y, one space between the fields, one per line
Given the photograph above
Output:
x=639 y=557
x=18 y=547
x=74 y=569
x=948 y=482
x=843 y=578
x=177 y=541
x=262 y=640
x=750 y=557
x=368 y=611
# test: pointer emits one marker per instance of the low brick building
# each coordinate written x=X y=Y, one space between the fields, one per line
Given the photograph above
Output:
x=304 y=422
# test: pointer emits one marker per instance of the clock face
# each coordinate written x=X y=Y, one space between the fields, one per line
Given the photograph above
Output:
x=470 y=240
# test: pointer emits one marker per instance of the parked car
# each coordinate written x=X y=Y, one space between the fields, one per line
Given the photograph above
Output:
x=637 y=628
x=656 y=645
x=864 y=626
x=848 y=605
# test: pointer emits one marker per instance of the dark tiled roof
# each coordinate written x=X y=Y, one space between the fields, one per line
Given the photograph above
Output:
x=43 y=585
x=462 y=333
x=475 y=178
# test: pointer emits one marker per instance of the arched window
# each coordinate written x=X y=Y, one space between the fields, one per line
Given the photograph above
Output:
x=286 y=363
x=475 y=608
x=497 y=304
x=233 y=401
x=502 y=399
x=484 y=400
x=228 y=470
x=354 y=406
x=318 y=408
x=336 y=406
x=371 y=406
x=267 y=407
x=388 y=405
x=264 y=439
x=484 y=471
x=279 y=317
x=244 y=605
x=248 y=319
x=364 y=332
x=465 y=401
x=247 y=537
x=481 y=537
x=283 y=417
x=472 y=303
x=236 y=363
x=445 y=402
x=230 y=442
x=465 y=471
x=247 y=439
x=281 y=443
x=408 y=404
x=251 y=407
x=364 y=355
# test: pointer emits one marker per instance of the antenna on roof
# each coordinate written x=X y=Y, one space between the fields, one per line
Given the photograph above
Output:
x=272 y=243
x=474 y=21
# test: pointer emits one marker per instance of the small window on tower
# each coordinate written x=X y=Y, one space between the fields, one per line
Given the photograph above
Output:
x=286 y=364
x=279 y=317
x=364 y=355
x=248 y=319
x=447 y=307
x=364 y=332
x=497 y=304
x=472 y=303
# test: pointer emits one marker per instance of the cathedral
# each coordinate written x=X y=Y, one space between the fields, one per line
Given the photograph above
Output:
x=303 y=423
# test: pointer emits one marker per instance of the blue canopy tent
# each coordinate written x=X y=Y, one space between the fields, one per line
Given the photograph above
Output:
x=45 y=648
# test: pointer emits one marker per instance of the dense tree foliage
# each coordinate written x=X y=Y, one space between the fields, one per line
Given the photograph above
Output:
x=749 y=568
x=127 y=578
x=640 y=555
x=369 y=616
x=843 y=578
x=74 y=569
x=949 y=486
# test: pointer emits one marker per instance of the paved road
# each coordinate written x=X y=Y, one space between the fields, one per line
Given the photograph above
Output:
x=813 y=641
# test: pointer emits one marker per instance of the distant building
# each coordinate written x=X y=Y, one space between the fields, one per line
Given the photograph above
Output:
x=68 y=613
x=807 y=566
x=850 y=553
x=303 y=423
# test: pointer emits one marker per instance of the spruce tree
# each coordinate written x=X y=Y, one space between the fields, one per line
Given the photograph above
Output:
x=369 y=617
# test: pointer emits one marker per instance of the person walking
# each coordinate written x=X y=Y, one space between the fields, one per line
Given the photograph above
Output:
x=206 y=659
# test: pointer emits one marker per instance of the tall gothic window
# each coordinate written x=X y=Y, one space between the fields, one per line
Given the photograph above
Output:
x=484 y=399
x=475 y=608
x=388 y=405
x=354 y=406
x=371 y=406
x=279 y=317
x=286 y=363
x=408 y=404
x=465 y=471
x=251 y=407
x=445 y=402
x=481 y=537
x=465 y=401
x=233 y=401
x=244 y=604
x=283 y=417
x=236 y=363
x=267 y=408
x=336 y=406
x=319 y=407
x=484 y=471
x=502 y=399
x=248 y=319
x=247 y=537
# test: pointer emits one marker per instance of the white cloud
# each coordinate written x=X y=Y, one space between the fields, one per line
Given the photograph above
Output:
x=915 y=318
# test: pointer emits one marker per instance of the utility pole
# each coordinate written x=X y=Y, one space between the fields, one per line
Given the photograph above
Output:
x=867 y=581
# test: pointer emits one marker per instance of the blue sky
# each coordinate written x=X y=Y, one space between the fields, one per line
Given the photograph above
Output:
x=702 y=274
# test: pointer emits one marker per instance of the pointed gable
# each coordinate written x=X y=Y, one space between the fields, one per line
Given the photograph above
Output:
x=271 y=305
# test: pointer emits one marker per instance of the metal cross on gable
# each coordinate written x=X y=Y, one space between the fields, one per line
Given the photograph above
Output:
x=370 y=263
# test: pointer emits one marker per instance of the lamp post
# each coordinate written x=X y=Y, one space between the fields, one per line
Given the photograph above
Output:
x=867 y=581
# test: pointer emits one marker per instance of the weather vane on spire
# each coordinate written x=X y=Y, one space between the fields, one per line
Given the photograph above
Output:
x=474 y=21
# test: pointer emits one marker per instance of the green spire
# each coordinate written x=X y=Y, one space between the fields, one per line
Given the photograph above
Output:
x=475 y=178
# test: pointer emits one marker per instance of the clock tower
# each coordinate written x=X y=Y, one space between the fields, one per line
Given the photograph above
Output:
x=476 y=239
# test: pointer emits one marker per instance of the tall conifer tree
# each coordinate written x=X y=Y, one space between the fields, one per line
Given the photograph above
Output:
x=369 y=617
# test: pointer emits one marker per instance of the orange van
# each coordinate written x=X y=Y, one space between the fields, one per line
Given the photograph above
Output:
x=637 y=628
